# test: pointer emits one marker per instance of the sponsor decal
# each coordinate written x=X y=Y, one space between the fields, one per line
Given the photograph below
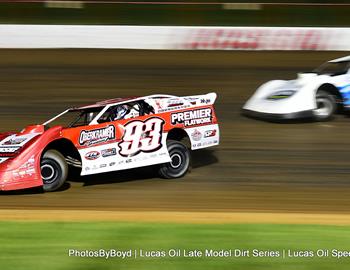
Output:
x=205 y=144
x=109 y=152
x=196 y=135
x=3 y=159
x=210 y=133
x=197 y=145
x=94 y=167
x=192 y=117
x=141 y=136
x=205 y=100
x=95 y=136
x=112 y=164
x=174 y=108
x=257 y=39
x=27 y=169
x=15 y=141
x=8 y=149
x=159 y=105
x=175 y=102
x=92 y=155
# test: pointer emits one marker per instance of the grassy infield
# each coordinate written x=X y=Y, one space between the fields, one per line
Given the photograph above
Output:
x=44 y=245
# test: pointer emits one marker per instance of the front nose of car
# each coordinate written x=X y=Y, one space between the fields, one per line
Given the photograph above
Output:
x=17 y=175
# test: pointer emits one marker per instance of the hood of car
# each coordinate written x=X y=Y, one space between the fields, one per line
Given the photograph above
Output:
x=288 y=85
x=11 y=143
x=300 y=81
x=304 y=78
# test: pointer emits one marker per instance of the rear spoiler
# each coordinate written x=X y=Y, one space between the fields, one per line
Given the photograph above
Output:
x=171 y=103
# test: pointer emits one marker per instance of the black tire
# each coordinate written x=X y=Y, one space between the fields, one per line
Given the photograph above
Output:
x=180 y=163
x=326 y=106
x=54 y=170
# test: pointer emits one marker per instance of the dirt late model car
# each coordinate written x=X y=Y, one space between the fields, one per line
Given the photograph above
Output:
x=108 y=136
x=317 y=94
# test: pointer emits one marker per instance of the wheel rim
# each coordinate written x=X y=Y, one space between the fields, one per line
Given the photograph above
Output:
x=176 y=160
x=49 y=171
x=324 y=107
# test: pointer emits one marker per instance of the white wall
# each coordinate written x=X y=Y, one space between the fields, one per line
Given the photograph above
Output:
x=169 y=37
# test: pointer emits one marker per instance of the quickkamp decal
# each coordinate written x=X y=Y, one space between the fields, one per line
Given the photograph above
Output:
x=192 y=117
x=95 y=136
x=109 y=152
x=142 y=136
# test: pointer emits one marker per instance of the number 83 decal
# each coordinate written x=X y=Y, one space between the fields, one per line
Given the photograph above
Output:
x=141 y=136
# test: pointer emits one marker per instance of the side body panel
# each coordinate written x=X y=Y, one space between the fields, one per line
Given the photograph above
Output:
x=138 y=142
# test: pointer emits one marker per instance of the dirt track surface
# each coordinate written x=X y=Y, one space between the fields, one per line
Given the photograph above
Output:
x=259 y=167
x=172 y=217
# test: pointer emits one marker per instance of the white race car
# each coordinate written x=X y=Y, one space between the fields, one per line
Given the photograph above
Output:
x=317 y=94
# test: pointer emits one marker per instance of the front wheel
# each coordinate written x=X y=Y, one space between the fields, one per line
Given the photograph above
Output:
x=325 y=106
x=54 y=170
x=180 y=161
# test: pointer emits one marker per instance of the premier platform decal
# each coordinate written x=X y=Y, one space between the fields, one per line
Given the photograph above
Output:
x=192 y=117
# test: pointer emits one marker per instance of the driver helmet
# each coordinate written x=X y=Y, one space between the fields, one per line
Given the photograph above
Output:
x=120 y=112
x=90 y=116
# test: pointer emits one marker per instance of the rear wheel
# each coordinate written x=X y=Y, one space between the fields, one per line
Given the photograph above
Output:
x=326 y=106
x=180 y=161
x=54 y=170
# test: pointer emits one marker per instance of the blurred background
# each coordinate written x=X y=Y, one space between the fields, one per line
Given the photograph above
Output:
x=189 y=12
x=298 y=168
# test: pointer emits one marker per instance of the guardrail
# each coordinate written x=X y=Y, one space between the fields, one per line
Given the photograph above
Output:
x=174 y=37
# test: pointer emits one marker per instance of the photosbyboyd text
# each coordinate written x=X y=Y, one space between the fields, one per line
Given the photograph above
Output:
x=208 y=253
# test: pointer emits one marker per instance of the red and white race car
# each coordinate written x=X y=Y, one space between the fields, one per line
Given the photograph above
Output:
x=109 y=136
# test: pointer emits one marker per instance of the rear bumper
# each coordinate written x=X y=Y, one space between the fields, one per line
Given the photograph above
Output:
x=278 y=116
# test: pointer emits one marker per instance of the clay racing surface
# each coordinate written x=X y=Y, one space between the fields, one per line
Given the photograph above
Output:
x=259 y=167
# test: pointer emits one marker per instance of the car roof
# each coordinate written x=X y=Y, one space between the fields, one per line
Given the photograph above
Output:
x=116 y=101
x=103 y=103
x=341 y=59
